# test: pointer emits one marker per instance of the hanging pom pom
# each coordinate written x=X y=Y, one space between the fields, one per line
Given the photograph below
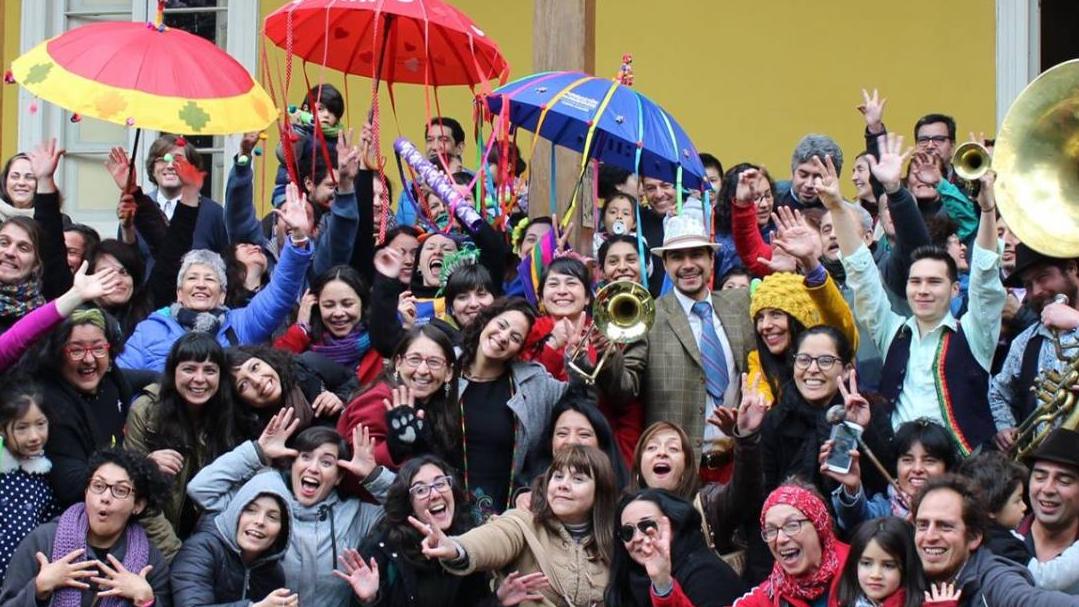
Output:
x=258 y=151
x=130 y=122
x=32 y=108
x=76 y=118
x=180 y=141
x=243 y=160
x=9 y=78
x=168 y=158
x=625 y=72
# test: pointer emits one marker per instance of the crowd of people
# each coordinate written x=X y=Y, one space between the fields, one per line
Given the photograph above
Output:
x=353 y=401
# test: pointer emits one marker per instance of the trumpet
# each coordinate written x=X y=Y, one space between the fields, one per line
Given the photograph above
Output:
x=971 y=161
x=622 y=312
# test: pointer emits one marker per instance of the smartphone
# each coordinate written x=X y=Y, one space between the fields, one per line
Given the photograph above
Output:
x=845 y=438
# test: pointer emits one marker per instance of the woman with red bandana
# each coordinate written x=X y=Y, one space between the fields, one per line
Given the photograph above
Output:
x=808 y=557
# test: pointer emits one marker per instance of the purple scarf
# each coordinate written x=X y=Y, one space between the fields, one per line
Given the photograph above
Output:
x=71 y=535
x=347 y=350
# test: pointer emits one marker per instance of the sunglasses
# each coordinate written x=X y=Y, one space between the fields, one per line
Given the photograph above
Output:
x=627 y=531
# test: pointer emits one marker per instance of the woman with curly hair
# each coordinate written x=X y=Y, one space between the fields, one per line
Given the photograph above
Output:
x=96 y=552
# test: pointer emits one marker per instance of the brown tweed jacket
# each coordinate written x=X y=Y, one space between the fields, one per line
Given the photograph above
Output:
x=674 y=377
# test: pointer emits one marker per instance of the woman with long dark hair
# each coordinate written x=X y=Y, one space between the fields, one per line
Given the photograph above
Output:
x=661 y=555
x=183 y=424
x=426 y=489
x=332 y=323
x=412 y=408
x=266 y=380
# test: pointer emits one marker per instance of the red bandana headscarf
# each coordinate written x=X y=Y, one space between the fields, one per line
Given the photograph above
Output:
x=806 y=587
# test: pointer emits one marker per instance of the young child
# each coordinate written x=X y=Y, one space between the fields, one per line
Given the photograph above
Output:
x=618 y=215
x=327 y=107
x=883 y=569
x=25 y=492
x=1002 y=481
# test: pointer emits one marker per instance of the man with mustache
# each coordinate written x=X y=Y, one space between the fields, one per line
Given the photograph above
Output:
x=698 y=344
x=1032 y=351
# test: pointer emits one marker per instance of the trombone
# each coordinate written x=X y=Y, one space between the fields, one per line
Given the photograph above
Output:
x=622 y=313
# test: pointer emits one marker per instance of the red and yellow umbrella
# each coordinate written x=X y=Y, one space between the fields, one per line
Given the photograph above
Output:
x=148 y=77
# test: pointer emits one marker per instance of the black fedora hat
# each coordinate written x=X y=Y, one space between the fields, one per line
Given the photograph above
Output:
x=1061 y=446
x=1026 y=258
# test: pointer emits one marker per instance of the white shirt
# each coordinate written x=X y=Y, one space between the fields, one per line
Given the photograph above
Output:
x=167 y=205
x=711 y=433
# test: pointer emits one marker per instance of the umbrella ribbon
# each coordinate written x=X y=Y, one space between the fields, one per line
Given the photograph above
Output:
x=592 y=124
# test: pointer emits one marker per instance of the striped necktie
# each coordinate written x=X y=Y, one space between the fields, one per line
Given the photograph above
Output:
x=716 y=376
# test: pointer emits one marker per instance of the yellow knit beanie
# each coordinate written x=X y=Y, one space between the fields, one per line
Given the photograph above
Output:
x=785 y=292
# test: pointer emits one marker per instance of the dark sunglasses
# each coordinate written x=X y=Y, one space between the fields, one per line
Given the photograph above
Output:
x=626 y=532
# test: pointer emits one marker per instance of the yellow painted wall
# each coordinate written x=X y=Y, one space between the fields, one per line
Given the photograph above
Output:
x=746 y=79
x=9 y=95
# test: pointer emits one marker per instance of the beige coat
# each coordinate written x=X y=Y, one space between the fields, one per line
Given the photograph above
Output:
x=514 y=542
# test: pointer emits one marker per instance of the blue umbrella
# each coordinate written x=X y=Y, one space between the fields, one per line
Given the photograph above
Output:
x=605 y=120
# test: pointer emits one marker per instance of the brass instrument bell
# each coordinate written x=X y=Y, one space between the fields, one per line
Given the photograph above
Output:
x=622 y=312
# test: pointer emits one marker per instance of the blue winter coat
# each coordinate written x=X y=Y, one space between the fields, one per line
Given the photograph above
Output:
x=149 y=345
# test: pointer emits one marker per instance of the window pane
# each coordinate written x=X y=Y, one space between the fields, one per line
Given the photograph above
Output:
x=92 y=132
x=94 y=189
x=117 y=6
x=209 y=24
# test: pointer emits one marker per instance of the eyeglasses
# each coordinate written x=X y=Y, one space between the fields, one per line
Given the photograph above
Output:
x=434 y=363
x=824 y=361
x=78 y=353
x=937 y=139
x=789 y=528
x=441 y=484
x=627 y=531
x=120 y=492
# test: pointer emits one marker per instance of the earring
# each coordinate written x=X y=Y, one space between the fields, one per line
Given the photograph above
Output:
x=446 y=389
x=397 y=377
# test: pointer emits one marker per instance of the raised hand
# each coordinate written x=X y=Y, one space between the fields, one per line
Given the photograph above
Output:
x=745 y=194
x=872 y=109
x=282 y=597
x=435 y=544
x=795 y=237
x=852 y=478
x=389 y=261
x=44 y=159
x=62 y=573
x=368 y=154
x=987 y=199
x=406 y=308
x=126 y=209
x=168 y=461
x=828 y=183
x=327 y=404
x=348 y=160
x=276 y=433
x=120 y=582
x=248 y=142
x=856 y=406
x=658 y=563
x=294 y=213
x=307 y=305
x=926 y=168
x=562 y=237
x=943 y=592
x=402 y=397
x=888 y=167
x=363 y=578
x=363 y=453
x=89 y=287
x=516 y=588
x=119 y=166
x=748 y=416
x=781 y=260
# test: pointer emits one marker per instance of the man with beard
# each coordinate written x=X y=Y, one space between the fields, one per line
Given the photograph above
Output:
x=950 y=519
x=801 y=191
x=698 y=344
x=1053 y=533
x=1032 y=351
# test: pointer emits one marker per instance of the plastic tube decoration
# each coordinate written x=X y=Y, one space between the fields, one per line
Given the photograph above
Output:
x=439 y=184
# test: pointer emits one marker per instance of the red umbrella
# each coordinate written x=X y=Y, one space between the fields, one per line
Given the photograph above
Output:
x=417 y=41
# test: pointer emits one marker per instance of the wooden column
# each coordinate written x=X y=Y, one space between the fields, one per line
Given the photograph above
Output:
x=563 y=38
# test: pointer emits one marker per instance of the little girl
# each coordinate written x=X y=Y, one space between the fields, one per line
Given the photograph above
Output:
x=883 y=570
x=26 y=499
x=618 y=215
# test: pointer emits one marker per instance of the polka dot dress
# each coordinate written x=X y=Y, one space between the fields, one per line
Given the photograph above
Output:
x=26 y=501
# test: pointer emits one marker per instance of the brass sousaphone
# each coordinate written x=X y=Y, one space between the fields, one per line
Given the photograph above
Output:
x=1037 y=191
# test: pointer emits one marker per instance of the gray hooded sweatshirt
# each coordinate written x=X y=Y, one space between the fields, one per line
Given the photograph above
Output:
x=320 y=532
x=209 y=569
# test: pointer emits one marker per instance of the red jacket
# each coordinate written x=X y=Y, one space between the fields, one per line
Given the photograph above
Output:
x=367 y=409
x=675 y=598
x=748 y=240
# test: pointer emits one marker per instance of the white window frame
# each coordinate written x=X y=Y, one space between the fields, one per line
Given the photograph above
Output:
x=1018 y=50
x=42 y=19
